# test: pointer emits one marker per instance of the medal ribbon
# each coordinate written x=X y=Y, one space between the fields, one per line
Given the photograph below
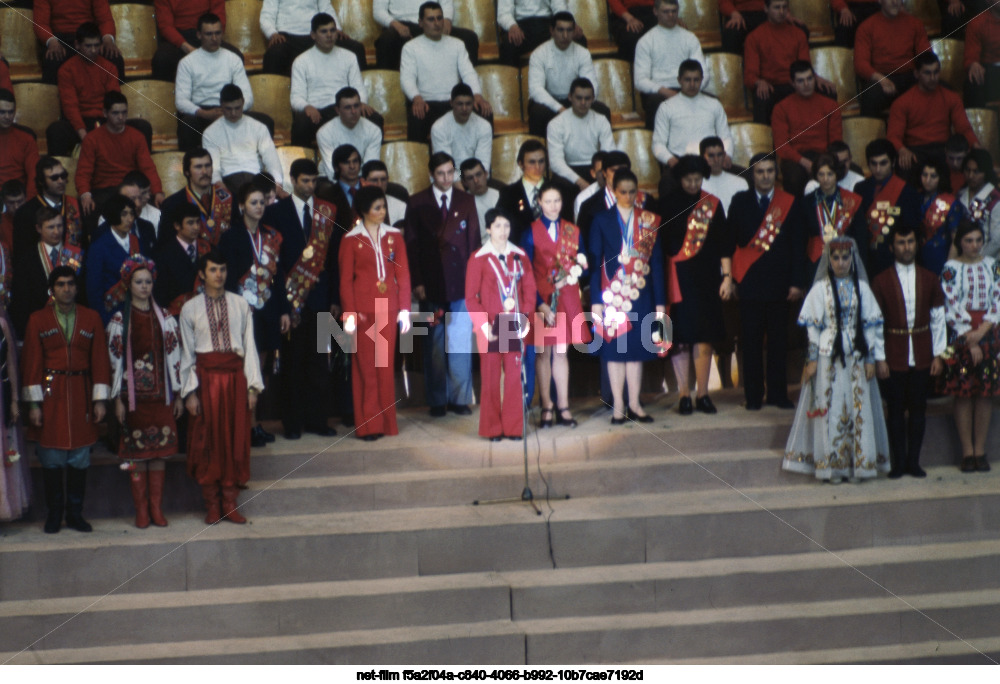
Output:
x=205 y=214
x=377 y=246
x=506 y=291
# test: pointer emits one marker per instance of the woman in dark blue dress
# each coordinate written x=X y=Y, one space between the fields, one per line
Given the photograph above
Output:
x=627 y=290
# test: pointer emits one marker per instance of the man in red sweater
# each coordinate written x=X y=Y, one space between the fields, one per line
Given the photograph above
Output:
x=177 y=24
x=804 y=124
x=982 y=58
x=847 y=16
x=19 y=149
x=56 y=22
x=768 y=53
x=922 y=118
x=83 y=80
x=884 y=48
x=107 y=154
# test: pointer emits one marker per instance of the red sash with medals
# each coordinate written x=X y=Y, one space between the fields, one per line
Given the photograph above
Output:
x=620 y=291
x=883 y=212
x=305 y=273
x=980 y=209
x=71 y=221
x=68 y=256
x=767 y=233
x=567 y=245
x=936 y=214
x=697 y=230
x=214 y=218
x=256 y=282
x=832 y=223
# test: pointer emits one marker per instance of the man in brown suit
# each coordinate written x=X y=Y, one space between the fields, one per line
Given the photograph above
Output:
x=912 y=306
x=442 y=232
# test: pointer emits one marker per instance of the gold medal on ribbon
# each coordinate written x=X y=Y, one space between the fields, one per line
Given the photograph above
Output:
x=307 y=253
x=381 y=287
x=210 y=223
x=508 y=304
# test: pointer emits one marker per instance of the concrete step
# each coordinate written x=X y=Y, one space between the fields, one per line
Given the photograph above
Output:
x=694 y=636
x=297 y=609
x=936 y=652
x=613 y=530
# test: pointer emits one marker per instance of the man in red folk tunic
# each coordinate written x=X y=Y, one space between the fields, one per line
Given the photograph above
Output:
x=67 y=379
x=220 y=381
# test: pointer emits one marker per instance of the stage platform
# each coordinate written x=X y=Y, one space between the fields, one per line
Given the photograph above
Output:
x=681 y=541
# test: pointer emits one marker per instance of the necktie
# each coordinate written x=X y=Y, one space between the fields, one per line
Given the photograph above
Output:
x=764 y=203
x=192 y=253
x=536 y=208
x=307 y=221
x=54 y=256
x=352 y=191
x=444 y=208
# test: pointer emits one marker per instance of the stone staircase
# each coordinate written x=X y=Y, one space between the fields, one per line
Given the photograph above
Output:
x=680 y=543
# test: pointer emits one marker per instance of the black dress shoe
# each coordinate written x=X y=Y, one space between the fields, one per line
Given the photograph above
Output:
x=782 y=404
x=293 y=434
x=705 y=405
x=322 y=430
x=544 y=422
x=256 y=439
x=371 y=438
x=460 y=410
x=268 y=437
x=753 y=406
x=632 y=415
x=916 y=471
x=513 y=438
x=437 y=411
x=896 y=473
x=617 y=421
x=982 y=465
x=685 y=407
x=968 y=464
x=348 y=420
x=496 y=439
x=562 y=420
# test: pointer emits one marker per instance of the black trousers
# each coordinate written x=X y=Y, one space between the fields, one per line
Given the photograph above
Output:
x=733 y=39
x=844 y=35
x=50 y=67
x=650 y=103
x=978 y=95
x=906 y=393
x=304 y=130
x=62 y=137
x=539 y=115
x=419 y=130
x=873 y=99
x=794 y=176
x=760 y=319
x=190 y=128
x=626 y=39
x=536 y=32
x=168 y=56
x=389 y=45
x=278 y=59
x=305 y=378
x=762 y=108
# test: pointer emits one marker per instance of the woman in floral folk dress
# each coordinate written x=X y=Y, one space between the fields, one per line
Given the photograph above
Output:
x=145 y=384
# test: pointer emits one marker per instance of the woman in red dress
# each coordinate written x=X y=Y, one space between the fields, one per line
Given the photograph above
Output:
x=499 y=280
x=555 y=249
x=374 y=291
x=145 y=384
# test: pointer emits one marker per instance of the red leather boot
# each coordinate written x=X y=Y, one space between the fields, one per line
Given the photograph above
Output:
x=140 y=497
x=156 y=478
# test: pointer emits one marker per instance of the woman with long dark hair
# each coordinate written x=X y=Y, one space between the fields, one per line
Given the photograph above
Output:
x=941 y=214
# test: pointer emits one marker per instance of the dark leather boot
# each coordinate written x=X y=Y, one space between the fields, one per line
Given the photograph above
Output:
x=76 y=487
x=52 y=479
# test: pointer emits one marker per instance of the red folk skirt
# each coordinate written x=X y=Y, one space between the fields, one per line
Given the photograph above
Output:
x=962 y=378
x=150 y=430
x=219 y=436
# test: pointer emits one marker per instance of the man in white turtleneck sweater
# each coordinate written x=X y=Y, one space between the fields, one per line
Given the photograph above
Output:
x=200 y=77
x=576 y=134
x=240 y=146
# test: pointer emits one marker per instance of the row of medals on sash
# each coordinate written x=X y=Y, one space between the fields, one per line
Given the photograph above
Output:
x=307 y=254
x=624 y=290
x=257 y=293
x=765 y=238
x=885 y=213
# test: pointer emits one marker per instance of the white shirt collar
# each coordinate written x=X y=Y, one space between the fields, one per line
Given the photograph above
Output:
x=125 y=243
x=447 y=193
x=299 y=203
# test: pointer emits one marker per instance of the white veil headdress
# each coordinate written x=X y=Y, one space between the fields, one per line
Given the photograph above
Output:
x=839 y=243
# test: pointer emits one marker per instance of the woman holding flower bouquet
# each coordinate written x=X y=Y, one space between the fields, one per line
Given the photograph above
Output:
x=555 y=250
x=626 y=286
x=145 y=385
x=699 y=277
x=971 y=284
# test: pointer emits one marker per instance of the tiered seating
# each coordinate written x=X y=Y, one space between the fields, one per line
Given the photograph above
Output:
x=951 y=52
x=170 y=168
x=701 y=17
x=986 y=124
x=480 y=16
x=69 y=163
x=271 y=96
x=614 y=88
x=135 y=29
x=359 y=24
x=726 y=72
x=386 y=97
x=37 y=107
x=502 y=89
x=592 y=17
x=748 y=140
x=837 y=65
x=505 y=147
x=243 y=31
x=407 y=163
x=858 y=132
x=153 y=101
x=19 y=45
x=638 y=144
x=815 y=14
x=926 y=11
x=288 y=154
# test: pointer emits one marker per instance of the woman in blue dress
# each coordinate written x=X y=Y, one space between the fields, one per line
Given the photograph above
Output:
x=628 y=292
x=940 y=212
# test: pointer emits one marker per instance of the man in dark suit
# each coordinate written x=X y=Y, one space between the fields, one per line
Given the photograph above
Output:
x=912 y=306
x=519 y=199
x=301 y=218
x=442 y=232
x=51 y=179
x=176 y=257
x=30 y=289
x=769 y=267
x=214 y=202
